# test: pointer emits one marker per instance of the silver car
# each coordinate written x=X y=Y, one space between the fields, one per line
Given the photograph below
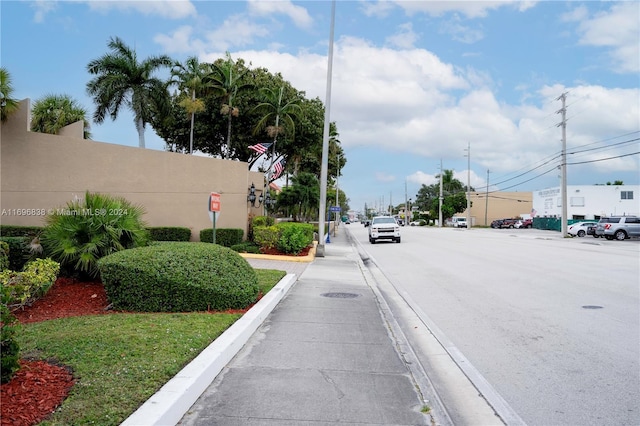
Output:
x=618 y=227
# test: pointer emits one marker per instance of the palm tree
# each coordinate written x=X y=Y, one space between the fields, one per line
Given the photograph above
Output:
x=8 y=105
x=272 y=108
x=227 y=83
x=53 y=112
x=121 y=79
x=190 y=79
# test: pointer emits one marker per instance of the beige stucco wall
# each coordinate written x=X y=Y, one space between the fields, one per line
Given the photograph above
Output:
x=498 y=205
x=41 y=172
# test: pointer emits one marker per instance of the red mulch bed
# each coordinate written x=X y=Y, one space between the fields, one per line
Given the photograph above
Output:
x=39 y=387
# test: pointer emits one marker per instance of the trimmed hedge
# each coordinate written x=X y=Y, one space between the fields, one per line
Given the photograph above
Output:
x=4 y=255
x=169 y=233
x=20 y=231
x=178 y=277
x=226 y=237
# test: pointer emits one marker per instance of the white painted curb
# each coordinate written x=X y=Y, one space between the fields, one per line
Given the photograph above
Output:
x=171 y=402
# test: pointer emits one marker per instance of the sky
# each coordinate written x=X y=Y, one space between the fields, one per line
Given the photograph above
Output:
x=417 y=86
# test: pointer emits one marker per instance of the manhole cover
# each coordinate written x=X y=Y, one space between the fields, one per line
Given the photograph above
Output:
x=340 y=295
x=591 y=307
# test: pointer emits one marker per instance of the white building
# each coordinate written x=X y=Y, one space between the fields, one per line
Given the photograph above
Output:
x=588 y=202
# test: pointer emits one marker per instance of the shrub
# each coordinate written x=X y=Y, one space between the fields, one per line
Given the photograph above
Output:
x=4 y=255
x=178 y=277
x=224 y=236
x=89 y=229
x=266 y=236
x=294 y=237
x=20 y=231
x=169 y=233
x=246 y=247
x=263 y=221
x=18 y=289
x=10 y=360
x=19 y=252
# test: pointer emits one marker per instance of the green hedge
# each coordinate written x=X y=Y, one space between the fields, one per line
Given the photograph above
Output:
x=4 y=255
x=224 y=236
x=20 y=231
x=169 y=233
x=19 y=252
x=178 y=277
x=294 y=237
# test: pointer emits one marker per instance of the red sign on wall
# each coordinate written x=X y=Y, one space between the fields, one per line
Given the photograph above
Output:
x=214 y=202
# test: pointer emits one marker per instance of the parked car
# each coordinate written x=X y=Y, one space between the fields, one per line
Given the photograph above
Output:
x=579 y=229
x=591 y=230
x=459 y=222
x=366 y=222
x=384 y=228
x=618 y=227
x=526 y=223
x=420 y=222
x=508 y=223
x=496 y=223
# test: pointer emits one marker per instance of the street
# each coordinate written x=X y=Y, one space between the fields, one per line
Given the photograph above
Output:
x=552 y=324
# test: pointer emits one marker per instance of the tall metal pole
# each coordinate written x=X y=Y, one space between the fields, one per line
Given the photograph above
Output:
x=325 y=141
x=563 y=166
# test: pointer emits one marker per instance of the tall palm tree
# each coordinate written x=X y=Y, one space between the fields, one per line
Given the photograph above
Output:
x=190 y=78
x=272 y=108
x=8 y=105
x=52 y=112
x=227 y=83
x=121 y=79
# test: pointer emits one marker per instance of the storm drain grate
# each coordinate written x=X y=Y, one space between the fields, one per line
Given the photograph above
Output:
x=340 y=295
x=591 y=307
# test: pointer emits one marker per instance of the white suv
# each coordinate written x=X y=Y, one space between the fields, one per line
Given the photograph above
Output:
x=384 y=228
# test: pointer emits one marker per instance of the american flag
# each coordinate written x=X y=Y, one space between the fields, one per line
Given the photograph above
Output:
x=277 y=170
x=260 y=147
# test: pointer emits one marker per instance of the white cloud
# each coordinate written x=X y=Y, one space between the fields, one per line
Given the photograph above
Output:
x=405 y=38
x=616 y=29
x=298 y=14
x=236 y=31
x=460 y=32
x=42 y=7
x=179 y=41
x=172 y=9
x=471 y=9
x=384 y=177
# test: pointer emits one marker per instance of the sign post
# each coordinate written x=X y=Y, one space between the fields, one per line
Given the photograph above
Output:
x=336 y=210
x=214 y=211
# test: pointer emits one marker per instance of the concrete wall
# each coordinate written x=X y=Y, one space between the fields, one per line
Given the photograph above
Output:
x=41 y=172
x=589 y=201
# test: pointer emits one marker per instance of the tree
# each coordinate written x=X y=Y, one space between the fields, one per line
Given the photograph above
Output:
x=53 y=112
x=301 y=199
x=453 y=192
x=8 y=105
x=227 y=83
x=273 y=108
x=121 y=79
x=190 y=80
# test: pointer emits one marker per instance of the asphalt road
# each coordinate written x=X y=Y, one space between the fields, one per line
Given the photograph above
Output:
x=552 y=324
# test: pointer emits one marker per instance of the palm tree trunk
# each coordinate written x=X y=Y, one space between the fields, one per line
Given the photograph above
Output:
x=140 y=128
x=226 y=154
x=193 y=98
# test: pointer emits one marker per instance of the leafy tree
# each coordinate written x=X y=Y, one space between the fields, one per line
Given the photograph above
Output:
x=190 y=80
x=453 y=192
x=8 y=105
x=53 y=112
x=301 y=199
x=122 y=79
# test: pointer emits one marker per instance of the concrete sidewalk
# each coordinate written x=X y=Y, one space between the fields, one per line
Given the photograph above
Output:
x=325 y=355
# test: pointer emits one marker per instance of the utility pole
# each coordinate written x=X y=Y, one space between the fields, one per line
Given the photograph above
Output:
x=486 y=201
x=440 y=199
x=468 y=185
x=563 y=165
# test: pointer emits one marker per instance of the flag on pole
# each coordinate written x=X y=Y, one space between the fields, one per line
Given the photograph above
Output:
x=260 y=147
x=277 y=170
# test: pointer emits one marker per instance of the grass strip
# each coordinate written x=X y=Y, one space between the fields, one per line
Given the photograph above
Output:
x=120 y=360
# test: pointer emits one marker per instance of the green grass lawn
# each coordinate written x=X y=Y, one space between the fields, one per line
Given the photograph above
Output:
x=120 y=360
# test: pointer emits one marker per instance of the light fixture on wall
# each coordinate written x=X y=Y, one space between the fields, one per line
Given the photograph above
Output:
x=268 y=201
x=251 y=198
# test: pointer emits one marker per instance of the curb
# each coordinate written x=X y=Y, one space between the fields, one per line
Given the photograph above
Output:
x=173 y=400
